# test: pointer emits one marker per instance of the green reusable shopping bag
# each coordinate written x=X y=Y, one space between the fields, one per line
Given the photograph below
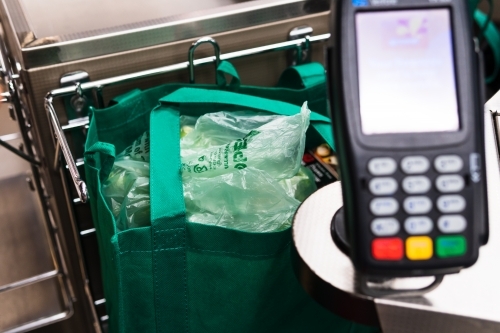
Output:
x=177 y=276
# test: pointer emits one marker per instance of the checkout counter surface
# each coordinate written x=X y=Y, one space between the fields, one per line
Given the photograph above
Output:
x=463 y=303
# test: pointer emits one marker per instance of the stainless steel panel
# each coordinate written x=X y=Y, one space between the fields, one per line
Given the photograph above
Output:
x=82 y=29
x=24 y=247
x=397 y=319
x=92 y=17
x=11 y=166
x=25 y=255
x=30 y=304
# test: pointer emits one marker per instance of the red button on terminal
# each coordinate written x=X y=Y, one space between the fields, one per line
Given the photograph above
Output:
x=387 y=248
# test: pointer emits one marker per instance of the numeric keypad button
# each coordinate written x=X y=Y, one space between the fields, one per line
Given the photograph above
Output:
x=419 y=248
x=450 y=183
x=448 y=163
x=382 y=166
x=416 y=184
x=450 y=224
x=384 y=206
x=451 y=246
x=414 y=164
x=383 y=186
x=451 y=203
x=417 y=205
x=418 y=225
x=387 y=248
x=385 y=226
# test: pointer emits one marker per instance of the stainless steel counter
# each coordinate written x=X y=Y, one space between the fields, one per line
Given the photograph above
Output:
x=57 y=31
x=464 y=303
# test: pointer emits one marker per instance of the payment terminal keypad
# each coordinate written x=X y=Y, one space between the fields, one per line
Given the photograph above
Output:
x=417 y=236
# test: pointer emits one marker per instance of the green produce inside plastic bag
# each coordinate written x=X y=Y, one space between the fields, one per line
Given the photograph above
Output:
x=241 y=170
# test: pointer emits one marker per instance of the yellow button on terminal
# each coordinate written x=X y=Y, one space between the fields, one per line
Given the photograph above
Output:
x=419 y=248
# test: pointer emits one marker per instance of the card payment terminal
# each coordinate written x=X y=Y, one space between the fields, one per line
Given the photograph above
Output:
x=408 y=122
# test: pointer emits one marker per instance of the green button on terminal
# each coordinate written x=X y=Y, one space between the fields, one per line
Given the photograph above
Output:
x=450 y=246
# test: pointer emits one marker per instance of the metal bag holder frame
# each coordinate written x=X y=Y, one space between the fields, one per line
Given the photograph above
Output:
x=99 y=85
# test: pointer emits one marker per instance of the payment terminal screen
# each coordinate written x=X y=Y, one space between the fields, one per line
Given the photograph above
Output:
x=406 y=72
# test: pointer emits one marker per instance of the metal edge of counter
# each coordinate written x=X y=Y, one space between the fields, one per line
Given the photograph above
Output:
x=56 y=50
x=346 y=305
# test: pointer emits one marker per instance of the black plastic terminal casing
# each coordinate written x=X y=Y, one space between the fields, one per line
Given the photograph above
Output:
x=355 y=149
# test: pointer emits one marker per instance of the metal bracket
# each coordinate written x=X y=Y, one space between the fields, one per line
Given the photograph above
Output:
x=382 y=287
x=495 y=117
x=63 y=144
x=79 y=101
x=6 y=97
x=302 y=54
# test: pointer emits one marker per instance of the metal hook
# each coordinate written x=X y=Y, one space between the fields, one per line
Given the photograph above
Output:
x=303 y=50
x=193 y=48
x=80 y=185
x=307 y=44
x=78 y=89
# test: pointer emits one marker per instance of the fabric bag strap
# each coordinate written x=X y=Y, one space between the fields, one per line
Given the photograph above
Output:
x=194 y=96
x=168 y=223
x=226 y=68
x=219 y=97
x=492 y=36
x=303 y=76
x=296 y=77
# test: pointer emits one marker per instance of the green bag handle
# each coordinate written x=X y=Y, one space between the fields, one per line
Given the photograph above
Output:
x=168 y=212
x=492 y=36
x=295 y=77
x=226 y=68
x=220 y=97
x=201 y=96
x=168 y=223
x=320 y=123
x=303 y=76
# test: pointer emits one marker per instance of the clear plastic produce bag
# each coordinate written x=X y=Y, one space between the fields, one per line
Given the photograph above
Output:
x=225 y=142
x=241 y=170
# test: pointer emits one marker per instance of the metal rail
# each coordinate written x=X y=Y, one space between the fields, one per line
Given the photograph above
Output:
x=30 y=280
x=98 y=85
